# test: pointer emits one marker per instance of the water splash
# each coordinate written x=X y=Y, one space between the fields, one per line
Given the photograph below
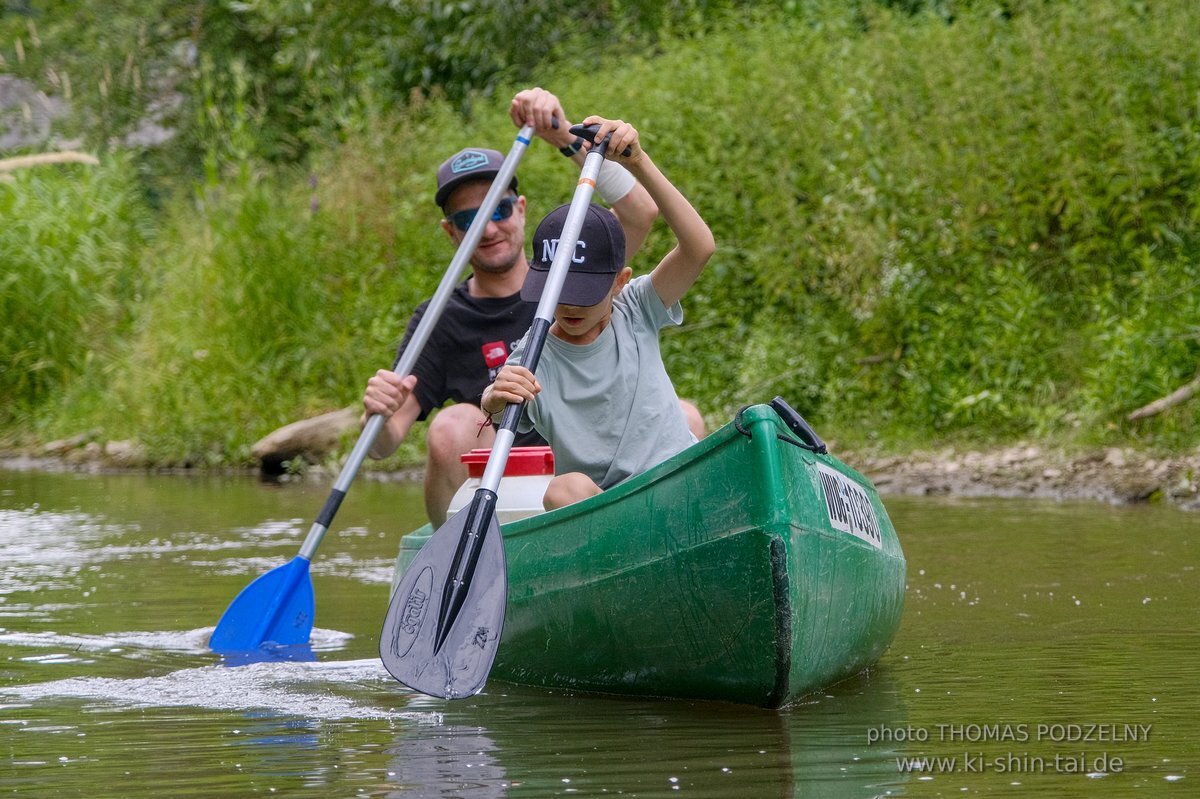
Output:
x=184 y=641
x=308 y=690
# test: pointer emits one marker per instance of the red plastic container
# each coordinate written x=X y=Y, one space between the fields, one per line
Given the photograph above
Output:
x=526 y=475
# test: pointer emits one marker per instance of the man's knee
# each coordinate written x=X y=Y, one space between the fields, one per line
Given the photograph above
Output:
x=455 y=430
x=695 y=421
x=452 y=432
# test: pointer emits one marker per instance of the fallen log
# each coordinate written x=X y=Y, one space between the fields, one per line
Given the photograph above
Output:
x=311 y=439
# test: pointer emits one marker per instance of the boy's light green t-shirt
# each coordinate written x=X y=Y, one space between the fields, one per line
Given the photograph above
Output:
x=608 y=408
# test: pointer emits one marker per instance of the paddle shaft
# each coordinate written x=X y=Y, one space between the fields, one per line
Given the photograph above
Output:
x=483 y=504
x=408 y=358
x=544 y=317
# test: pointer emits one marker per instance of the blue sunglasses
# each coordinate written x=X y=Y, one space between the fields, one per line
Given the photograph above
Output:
x=463 y=219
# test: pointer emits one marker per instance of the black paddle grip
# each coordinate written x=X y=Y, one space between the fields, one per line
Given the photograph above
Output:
x=332 y=503
x=589 y=132
x=511 y=417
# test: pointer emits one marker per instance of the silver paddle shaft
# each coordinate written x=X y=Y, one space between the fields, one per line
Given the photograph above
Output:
x=408 y=358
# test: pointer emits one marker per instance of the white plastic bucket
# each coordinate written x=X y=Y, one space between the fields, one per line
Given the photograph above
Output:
x=526 y=476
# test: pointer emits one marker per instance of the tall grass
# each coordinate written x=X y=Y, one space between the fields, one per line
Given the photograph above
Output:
x=275 y=297
x=71 y=278
x=932 y=219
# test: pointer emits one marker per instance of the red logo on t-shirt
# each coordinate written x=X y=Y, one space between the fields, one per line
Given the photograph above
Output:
x=494 y=353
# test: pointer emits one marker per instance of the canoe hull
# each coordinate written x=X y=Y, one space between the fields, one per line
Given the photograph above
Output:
x=720 y=574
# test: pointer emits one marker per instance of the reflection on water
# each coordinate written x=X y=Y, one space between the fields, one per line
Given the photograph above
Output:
x=546 y=744
x=1019 y=616
x=458 y=761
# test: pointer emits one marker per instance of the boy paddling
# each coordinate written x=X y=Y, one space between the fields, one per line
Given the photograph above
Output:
x=610 y=411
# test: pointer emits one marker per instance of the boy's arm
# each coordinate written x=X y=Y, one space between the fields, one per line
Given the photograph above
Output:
x=679 y=269
x=513 y=383
x=636 y=212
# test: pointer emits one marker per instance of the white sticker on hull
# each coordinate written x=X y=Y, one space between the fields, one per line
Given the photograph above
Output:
x=849 y=507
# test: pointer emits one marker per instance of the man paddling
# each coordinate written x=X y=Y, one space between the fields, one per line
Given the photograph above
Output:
x=485 y=316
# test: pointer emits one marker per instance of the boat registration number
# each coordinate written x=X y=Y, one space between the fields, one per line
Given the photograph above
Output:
x=849 y=507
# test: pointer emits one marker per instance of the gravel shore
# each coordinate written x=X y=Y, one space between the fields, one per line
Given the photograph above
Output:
x=1115 y=475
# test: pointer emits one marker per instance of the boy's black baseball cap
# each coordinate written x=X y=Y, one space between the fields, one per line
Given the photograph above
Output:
x=598 y=256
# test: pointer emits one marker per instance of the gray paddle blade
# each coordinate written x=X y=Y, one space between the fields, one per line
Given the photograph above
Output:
x=408 y=644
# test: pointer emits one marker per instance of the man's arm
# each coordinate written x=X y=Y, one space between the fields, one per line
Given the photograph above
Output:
x=637 y=212
x=632 y=204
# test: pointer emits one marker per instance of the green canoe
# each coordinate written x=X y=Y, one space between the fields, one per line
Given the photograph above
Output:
x=750 y=568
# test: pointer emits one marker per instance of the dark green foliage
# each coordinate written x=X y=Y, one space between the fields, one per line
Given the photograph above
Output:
x=314 y=69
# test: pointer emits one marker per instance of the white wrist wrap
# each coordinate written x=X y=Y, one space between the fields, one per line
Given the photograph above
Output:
x=614 y=182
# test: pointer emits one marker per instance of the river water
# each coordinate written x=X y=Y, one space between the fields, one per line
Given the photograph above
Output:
x=1046 y=650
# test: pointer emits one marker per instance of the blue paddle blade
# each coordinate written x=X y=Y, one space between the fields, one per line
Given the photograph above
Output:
x=468 y=619
x=277 y=607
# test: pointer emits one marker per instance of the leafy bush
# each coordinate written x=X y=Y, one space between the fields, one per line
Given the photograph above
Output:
x=317 y=70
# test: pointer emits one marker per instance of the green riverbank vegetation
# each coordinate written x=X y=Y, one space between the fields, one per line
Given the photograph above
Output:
x=938 y=222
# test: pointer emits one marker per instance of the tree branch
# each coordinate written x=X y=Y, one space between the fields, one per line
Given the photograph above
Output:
x=65 y=157
x=1177 y=396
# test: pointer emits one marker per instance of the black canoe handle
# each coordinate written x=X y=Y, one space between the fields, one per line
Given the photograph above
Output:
x=801 y=428
x=589 y=132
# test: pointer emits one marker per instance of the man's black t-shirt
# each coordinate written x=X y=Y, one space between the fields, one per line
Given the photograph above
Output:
x=467 y=347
